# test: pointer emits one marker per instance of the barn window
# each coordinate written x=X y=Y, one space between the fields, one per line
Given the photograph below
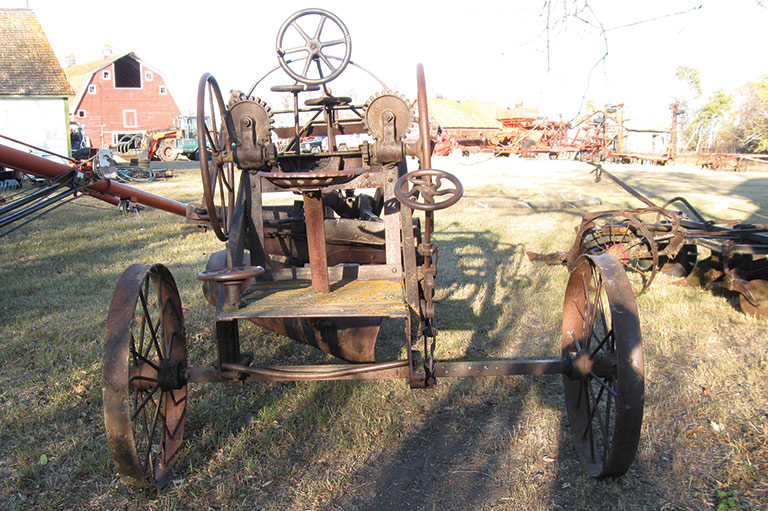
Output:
x=129 y=118
x=81 y=114
x=149 y=76
x=163 y=90
x=127 y=73
x=105 y=75
x=91 y=89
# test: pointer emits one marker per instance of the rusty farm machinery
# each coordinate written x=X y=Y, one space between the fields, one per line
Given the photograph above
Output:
x=352 y=246
x=652 y=239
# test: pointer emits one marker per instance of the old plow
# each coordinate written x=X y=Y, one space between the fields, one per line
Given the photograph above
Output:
x=667 y=238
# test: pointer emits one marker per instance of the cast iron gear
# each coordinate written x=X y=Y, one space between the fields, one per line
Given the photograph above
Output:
x=241 y=105
x=375 y=108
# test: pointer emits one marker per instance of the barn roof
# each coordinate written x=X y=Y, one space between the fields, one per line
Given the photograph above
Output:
x=28 y=65
x=464 y=114
x=80 y=75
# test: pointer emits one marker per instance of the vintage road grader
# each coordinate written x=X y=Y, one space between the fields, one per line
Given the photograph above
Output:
x=328 y=269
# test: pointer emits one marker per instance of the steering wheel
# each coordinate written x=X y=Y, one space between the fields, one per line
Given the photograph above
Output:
x=216 y=164
x=426 y=185
x=313 y=48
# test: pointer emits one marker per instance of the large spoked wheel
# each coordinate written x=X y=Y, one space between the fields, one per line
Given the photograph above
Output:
x=628 y=239
x=214 y=129
x=298 y=49
x=604 y=392
x=143 y=384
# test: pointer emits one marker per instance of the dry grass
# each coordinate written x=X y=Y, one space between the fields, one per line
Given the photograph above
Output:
x=467 y=444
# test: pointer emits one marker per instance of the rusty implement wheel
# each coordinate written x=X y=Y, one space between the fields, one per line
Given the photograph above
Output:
x=628 y=239
x=217 y=168
x=143 y=383
x=604 y=389
x=759 y=290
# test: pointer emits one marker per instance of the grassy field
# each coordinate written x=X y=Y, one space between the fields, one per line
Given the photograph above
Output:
x=467 y=444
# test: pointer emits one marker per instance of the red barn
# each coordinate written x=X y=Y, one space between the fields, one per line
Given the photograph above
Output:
x=119 y=96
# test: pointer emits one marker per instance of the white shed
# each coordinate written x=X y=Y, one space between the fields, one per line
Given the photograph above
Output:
x=33 y=87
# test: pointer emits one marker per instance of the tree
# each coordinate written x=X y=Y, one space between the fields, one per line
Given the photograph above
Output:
x=710 y=119
x=691 y=77
x=752 y=128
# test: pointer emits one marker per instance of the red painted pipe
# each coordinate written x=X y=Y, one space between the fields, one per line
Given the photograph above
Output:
x=47 y=169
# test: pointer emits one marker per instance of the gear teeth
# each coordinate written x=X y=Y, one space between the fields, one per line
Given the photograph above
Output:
x=237 y=97
x=388 y=92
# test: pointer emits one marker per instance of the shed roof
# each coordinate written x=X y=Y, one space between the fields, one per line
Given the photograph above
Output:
x=28 y=65
x=464 y=114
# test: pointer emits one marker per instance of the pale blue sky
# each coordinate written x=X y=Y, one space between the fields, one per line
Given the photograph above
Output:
x=477 y=50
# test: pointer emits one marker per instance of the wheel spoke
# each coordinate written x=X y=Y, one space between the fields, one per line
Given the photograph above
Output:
x=603 y=384
x=143 y=291
x=609 y=335
x=333 y=43
x=323 y=17
x=327 y=62
x=598 y=304
x=306 y=66
x=296 y=50
x=301 y=32
x=152 y=329
x=146 y=400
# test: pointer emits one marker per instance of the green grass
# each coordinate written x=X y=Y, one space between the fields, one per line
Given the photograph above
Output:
x=490 y=443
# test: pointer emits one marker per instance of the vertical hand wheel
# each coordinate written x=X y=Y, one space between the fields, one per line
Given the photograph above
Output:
x=214 y=135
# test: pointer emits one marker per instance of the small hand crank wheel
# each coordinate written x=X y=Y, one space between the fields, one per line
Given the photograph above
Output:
x=312 y=47
x=216 y=163
x=425 y=184
x=604 y=389
x=143 y=383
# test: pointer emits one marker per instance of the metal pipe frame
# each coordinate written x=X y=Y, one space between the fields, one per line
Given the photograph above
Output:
x=384 y=370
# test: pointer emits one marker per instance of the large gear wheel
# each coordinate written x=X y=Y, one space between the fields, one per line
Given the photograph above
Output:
x=241 y=107
x=378 y=105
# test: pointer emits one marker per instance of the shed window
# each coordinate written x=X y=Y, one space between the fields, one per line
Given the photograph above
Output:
x=163 y=90
x=127 y=73
x=149 y=76
x=106 y=75
x=81 y=114
x=91 y=89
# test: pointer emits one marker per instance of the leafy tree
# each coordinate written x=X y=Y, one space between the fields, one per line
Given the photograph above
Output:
x=751 y=131
x=690 y=76
x=703 y=125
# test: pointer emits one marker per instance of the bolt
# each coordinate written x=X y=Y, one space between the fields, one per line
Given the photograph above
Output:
x=388 y=116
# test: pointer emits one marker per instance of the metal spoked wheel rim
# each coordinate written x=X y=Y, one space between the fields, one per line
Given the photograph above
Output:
x=629 y=240
x=604 y=392
x=216 y=167
x=142 y=382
